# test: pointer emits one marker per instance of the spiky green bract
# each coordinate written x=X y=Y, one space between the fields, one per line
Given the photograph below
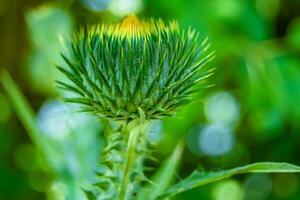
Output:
x=135 y=69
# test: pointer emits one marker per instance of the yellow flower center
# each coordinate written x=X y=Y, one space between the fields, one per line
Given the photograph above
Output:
x=131 y=26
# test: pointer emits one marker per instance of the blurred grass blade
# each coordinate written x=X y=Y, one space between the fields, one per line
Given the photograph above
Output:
x=198 y=178
x=164 y=175
x=24 y=112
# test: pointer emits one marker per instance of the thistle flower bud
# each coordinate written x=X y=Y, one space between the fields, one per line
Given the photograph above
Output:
x=135 y=69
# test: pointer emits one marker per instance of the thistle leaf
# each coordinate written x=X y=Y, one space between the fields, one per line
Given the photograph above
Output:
x=199 y=178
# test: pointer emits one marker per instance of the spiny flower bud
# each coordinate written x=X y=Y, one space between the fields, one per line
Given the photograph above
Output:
x=135 y=69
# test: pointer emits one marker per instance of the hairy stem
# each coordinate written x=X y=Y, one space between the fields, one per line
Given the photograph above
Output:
x=121 y=170
x=130 y=159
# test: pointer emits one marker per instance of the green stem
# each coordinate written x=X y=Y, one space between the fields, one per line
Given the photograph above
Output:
x=130 y=159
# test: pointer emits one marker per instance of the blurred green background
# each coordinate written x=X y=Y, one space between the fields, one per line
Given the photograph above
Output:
x=251 y=114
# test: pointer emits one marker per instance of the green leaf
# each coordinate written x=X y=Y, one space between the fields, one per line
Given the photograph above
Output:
x=164 y=175
x=26 y=115
x=198 y=178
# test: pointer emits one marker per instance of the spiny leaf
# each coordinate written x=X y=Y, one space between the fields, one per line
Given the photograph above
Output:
x=163 y=177
x=199 y=178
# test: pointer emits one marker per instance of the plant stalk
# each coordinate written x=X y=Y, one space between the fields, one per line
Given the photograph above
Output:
x=130 y=161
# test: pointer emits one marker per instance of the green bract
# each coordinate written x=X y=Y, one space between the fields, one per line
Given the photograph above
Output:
x=135 y=69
